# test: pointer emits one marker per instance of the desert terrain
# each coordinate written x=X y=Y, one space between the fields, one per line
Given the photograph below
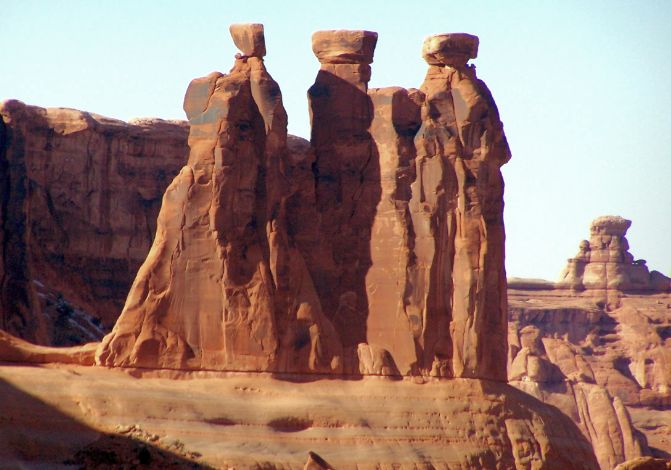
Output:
x=219 y=294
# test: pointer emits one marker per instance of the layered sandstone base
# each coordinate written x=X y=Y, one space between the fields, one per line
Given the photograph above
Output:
x=255 y=421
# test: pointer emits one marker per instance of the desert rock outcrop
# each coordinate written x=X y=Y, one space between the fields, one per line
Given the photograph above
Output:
x=603 y=332
x=79 y=198
x=222 y=287
x=385 y=258
x=248 y=421
x=604 y=262
x=375 y=249
x=457 y=280
x=553 y=372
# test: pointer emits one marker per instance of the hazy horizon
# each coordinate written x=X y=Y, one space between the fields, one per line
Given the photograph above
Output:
x=583 y=90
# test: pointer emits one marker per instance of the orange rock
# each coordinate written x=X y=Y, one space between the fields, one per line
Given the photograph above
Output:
x=222 y=287
x=253 y=420
x=454 y=49
x=456 y=208
x=14 y=349
x=645 y=463
x=604 y=262
x=249 y=39
x=344 y=47
x=347 y=177
x=82 y=195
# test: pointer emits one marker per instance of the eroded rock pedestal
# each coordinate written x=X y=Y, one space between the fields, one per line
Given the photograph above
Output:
x=604 y=262
x=596 y=345
x=437 y=289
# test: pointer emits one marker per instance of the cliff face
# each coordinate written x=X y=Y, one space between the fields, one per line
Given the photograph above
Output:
x=80 y=195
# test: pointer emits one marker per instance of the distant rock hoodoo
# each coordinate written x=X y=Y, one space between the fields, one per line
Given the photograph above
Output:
x=604 y=262
x=376 y=248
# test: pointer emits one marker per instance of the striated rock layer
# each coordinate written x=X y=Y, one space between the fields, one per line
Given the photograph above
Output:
x=250 y=421
x=79 y=199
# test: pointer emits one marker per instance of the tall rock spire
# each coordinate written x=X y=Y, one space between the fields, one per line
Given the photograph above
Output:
x=222 y=288
x=347 y=173
x=457 y=212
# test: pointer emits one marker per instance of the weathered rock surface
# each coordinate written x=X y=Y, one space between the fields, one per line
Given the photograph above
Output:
x=550 y=370
x=13 y=349
x=623 y=349
x=376 y=250
x=80 y=196
x=251 y=420
x=456 y=292
x=610 y=339
x=604 y=262
x=645 y=463
x=223 y=286
x=347 y=177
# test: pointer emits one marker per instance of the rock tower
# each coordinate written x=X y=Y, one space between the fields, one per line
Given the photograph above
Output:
x=377 y=248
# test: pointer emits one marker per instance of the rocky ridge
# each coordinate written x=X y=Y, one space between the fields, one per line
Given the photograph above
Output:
x=597 y=347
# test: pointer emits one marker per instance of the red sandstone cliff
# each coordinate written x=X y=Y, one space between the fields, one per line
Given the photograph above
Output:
x=80 y=195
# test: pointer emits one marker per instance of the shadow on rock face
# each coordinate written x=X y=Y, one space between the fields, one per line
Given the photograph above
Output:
x=563 y=437
x=34 y=433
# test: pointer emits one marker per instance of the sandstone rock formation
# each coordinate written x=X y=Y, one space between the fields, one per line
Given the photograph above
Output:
x=458 y=274
x=247 y=421
x=14 y=349
x=608 y=339
x=616 y=354
x=645 y=463
x=376 y=250
x=347 y=176
x=553 y=372
x=604 y=262
x=223 y=287
x=79 y=199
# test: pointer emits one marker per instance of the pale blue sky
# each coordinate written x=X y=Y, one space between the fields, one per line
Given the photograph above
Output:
x=583 y=88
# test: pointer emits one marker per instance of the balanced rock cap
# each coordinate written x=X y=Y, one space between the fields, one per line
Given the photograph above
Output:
x=453 y=49
x=249 y=38
x=344 y=46
x=610 y=225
